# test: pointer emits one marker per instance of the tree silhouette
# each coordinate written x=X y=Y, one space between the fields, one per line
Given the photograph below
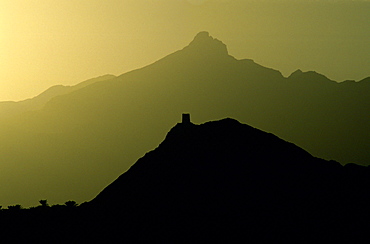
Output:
x=44 y=203
x=15 y=207
x=71 y=204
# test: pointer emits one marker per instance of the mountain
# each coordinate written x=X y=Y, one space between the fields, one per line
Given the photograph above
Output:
x=214 y=159
x=76 y=143
x=217 y=182
x=224 y=179
x=10 y=108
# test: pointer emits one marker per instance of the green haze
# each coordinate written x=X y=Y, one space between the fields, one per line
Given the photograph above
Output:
x=83 y=139
x=52 y=42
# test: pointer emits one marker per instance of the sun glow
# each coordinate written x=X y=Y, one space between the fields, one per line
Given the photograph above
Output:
x=50 y=42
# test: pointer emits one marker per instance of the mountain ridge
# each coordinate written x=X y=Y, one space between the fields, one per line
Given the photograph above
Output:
x=11 y=108
x=96 y=132
x=230 y=175
x=217 y=182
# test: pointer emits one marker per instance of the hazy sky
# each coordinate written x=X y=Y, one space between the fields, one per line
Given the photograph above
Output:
x=48 y=42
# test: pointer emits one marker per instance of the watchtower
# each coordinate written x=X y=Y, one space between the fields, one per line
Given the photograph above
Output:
x=186 y=119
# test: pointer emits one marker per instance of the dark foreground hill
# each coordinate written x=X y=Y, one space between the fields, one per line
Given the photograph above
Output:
x=224 y=178
x=76 y=143
x=218 y=182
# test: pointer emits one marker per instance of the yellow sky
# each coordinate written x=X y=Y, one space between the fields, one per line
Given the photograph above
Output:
x=48 y=42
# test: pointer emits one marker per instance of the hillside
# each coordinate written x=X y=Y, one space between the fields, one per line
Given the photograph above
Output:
x=78 y=142
x=217 y=182
x=11 y=108
x=223 y=179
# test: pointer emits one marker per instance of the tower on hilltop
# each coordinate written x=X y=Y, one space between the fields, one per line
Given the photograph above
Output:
x=186 y=119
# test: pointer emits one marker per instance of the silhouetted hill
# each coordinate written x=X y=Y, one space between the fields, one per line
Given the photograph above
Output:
x=87 y=137
x=212 y=156
x=217 y=182
x=224 y=179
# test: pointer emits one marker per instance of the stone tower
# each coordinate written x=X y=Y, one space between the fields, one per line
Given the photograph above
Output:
x=186 y=119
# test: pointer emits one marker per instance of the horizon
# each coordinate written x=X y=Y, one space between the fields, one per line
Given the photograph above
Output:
x=47 y=44
x=171 y=121
x=71 y=142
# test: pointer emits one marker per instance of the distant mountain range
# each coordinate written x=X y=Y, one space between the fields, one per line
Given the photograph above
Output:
x=10 y=108
x=74 y=141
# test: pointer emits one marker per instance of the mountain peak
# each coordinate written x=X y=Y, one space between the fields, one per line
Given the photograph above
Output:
x=203 y=35
x=309 y=76
x=296 y=73
x=203 y=41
